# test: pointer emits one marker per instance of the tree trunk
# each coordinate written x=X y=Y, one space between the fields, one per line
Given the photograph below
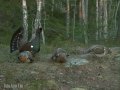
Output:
x=52 y=9
x=101 y=20
x=74 y=20
x=97 y=23
x=85 y=18
x=44 y=22
x=117 y=21
x=105 y=23
x=25 y=23
x=38 y=21
x=101 y=14
x=68 y=18
x=80 y=12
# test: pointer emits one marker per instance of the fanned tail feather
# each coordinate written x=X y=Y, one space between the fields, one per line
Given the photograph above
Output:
x=16 y=38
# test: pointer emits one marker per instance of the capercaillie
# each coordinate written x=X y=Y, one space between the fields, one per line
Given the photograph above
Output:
x=26 y=49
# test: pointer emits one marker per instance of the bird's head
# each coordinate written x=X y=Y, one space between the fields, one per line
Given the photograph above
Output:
x=25 y=56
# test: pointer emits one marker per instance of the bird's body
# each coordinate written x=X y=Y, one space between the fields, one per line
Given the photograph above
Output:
x=98 y=49
x=35 y=43
x=59 y=55
x=26 y=50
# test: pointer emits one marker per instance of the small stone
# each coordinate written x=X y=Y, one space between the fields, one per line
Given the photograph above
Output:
x=61 y=73
x=52 y=85
x=78 y=89
x=34 y=72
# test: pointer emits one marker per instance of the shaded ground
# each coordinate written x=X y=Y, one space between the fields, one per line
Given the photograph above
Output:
x=101 y=74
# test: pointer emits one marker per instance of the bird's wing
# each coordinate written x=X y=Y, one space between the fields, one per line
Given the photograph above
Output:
x=35 y=42
x=16 y=40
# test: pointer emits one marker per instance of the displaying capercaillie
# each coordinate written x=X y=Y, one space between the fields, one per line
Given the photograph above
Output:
x=26 y=50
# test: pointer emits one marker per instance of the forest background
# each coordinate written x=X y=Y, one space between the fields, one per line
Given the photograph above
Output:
x=83 y=22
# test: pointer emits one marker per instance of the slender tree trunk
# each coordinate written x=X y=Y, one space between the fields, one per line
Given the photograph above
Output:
x=52 y=9
x=97 y=23
x=80 y=12
x=44 y=27
x=85 y=18
x=38 y=14
x=74 y=20
x=101 y=14
x=105 y=19
x=25 y=23
x=68 y=18
x=101 y=19
x=38 y=21
x=117 y=20
x=43 y=35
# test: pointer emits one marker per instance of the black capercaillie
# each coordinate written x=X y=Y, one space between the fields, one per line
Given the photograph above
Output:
x=28 y=49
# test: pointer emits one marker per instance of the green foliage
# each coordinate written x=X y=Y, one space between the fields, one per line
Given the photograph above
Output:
x=54 y=22
x=10 y=19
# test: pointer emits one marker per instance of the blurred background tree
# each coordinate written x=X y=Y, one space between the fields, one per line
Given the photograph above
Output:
x=78 y=21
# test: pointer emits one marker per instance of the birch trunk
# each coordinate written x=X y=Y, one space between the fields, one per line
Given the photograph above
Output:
x=74 y=20
x=116 y=13
x=68 y=18
x=99 y=19
x=85 y=18
x=25 y=23
x=52 y=6
x=102 y=19
x=38 y=21
x=105 y=23
x=97 y=23
x=44 y=27
x=80 y=11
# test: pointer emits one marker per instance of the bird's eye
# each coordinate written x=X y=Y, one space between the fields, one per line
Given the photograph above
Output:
x=31 y=46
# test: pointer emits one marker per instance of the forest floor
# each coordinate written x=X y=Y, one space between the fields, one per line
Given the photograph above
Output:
x=42 y=74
